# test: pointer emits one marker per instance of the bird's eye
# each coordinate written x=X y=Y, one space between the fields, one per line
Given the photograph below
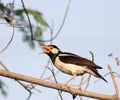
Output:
x=51 y=48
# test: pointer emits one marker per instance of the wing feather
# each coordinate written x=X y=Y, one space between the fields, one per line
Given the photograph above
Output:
x=75 y=59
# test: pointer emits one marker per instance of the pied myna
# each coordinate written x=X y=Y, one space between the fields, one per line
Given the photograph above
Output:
x=70 y=63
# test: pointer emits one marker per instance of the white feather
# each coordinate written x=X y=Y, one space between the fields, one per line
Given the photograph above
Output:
x=72 y=69
x=55 y=51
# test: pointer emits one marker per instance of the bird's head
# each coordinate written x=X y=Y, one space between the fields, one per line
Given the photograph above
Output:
x=50 y=49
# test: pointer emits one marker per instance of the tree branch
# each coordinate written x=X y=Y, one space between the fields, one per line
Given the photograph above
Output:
x=56 y=86
x=114 y=82
x=60 y=28
x=9 y=40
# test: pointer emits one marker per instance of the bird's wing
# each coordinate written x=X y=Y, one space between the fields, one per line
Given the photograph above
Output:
x=75 y=59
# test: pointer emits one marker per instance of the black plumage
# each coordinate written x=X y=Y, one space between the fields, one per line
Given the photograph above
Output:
x=77 y=60
x=70 y=63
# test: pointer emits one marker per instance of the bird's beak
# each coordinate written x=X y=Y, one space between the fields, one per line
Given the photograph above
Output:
x=47 y=49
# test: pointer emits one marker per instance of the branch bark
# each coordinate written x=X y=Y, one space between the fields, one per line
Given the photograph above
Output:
x=114 y=83
x=56 y=86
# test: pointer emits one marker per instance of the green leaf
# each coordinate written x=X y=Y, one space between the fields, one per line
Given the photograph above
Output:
x=2 y=7
x=38 y=32
x=38 y=17
x=19 y=12
x=38 y=27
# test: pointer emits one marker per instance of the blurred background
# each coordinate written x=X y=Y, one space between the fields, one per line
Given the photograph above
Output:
x=91 y=25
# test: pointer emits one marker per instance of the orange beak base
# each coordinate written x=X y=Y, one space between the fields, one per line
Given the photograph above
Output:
x=47 y=49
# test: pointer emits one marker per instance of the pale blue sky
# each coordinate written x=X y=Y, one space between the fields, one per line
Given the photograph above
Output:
x=91 y=25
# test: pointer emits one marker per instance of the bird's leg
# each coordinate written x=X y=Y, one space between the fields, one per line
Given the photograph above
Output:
x=81 y=82
x=74 y=75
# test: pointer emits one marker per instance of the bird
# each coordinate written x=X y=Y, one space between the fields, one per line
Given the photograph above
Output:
x=70 y=63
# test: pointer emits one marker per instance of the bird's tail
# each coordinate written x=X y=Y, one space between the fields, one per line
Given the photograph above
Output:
x=103 y=78
x=96 y=74
x=99 y=76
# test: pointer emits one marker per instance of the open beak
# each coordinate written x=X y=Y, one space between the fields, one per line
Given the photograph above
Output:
x=47 y=49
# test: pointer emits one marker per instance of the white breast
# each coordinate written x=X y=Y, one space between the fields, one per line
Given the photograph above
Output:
x=69 y=68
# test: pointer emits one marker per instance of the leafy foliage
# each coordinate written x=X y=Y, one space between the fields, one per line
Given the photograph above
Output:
x=1 y=7
x=2 y=90
x=38 y=17
x=39 y=25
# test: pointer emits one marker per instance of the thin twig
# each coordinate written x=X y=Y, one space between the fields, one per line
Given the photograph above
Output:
x=114 y=83
x=46 y=67
x=115 y=58
x=48 y=78
x=23 y=85
x=88 y=81
x=3 y=66
x=31 y=30
x=92 y=54
x=117 y=75
x=5 y=9
x=59 y=92
x=9 y=40
x=61 y=26
x=52 y=71
x=29 y=90
x=33 y=85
